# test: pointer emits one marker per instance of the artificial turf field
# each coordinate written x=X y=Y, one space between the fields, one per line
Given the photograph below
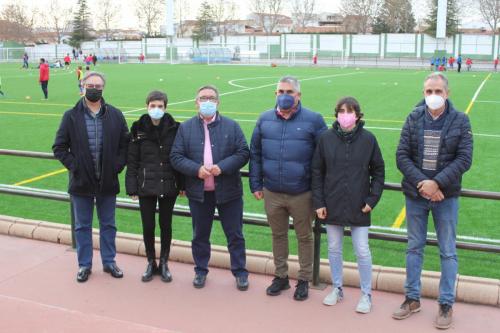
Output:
x=386 y=97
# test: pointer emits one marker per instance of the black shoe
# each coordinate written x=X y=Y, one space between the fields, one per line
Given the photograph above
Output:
x=301 y=290
x=242 y=282
x=114 y=270
x=164 y=272
x=83 y=274
x=151 y=269
x=277 y=286
x=199 y=280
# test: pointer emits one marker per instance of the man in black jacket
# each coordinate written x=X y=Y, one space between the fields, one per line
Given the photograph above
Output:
x=91 y=143
x=209 y=150
x=435 y=150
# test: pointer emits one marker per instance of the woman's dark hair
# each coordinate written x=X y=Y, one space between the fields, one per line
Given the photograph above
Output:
x=157 y=95
x=351 y=104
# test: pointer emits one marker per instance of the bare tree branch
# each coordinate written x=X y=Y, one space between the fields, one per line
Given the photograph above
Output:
x=149 y=13
x=360 y=14
x=58 y=17
x=106 y=15
x=267 y=13
x=303 y=12
x=490 y=12
x=223 y=10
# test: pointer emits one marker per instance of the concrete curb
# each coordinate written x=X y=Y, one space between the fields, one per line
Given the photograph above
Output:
x=469 y=289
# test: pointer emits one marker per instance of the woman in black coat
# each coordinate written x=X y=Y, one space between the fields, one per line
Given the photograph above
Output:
x=151 y=179
x=347 y=182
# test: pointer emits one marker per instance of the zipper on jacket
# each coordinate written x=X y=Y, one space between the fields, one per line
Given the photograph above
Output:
x=281 y=162
x=144 y=179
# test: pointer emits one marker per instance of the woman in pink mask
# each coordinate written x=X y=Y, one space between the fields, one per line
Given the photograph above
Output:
x=347 y=182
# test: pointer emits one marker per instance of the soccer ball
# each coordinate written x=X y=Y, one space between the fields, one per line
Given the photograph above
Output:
x=161 y=80
x=28 y=97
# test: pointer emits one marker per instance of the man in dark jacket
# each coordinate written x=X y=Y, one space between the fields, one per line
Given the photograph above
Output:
x=209 y=149
x=435 y=150
x=91 y=143
x=282 y=148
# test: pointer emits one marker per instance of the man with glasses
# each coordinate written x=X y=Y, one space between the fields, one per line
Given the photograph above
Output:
x=210 y=150
x=92 y=144
x=281 y=152
x=435 y=150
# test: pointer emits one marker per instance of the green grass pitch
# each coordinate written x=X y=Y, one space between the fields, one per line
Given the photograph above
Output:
x=386 y=97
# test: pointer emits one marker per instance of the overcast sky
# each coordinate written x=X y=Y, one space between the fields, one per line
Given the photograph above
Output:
x=127 y=17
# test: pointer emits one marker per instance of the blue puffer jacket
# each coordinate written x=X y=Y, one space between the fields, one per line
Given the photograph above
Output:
x=455 y=151
x=229 y=151
x=281 y=151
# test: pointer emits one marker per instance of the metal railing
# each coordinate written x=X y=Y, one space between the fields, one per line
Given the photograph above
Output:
x=250 y=219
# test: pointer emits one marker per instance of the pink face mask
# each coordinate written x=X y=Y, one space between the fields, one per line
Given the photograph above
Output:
x=346 y=119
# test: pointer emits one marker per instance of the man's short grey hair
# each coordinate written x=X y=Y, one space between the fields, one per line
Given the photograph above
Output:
x=90 y=74
x=209 y=87
x=291 y=80
x=438 y=76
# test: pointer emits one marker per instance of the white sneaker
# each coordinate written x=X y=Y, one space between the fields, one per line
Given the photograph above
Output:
x=364 y=304
x=335 y=296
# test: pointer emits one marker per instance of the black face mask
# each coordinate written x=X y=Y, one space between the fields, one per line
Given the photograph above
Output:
x=93 y=94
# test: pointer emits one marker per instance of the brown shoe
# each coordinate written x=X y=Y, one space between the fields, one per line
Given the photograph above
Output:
x=406 y=309
x=444 y=317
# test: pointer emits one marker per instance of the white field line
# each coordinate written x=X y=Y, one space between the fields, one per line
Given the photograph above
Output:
x=231 y=82
x=473 y=100
x=255 y=88
x=494 y=102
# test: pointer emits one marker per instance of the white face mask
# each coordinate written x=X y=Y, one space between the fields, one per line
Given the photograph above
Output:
x=434 y=102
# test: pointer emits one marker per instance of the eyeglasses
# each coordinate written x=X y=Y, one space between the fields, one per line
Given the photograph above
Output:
x=92 y=86
x=288 y=92
x=207 y=98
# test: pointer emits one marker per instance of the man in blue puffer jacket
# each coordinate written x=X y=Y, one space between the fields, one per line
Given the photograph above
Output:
x=281 y=152
x=435 y=150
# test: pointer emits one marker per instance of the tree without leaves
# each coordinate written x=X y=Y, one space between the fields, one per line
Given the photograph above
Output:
x=490 y=12
x=58 y=17
x=205 y=25
x=395 y=16
x=223 y=10
x=106 y=15
x=267 y=12
x=149 y=13
x=20 y=25
x=303 y=12
x=362 y=12
x=452 y=14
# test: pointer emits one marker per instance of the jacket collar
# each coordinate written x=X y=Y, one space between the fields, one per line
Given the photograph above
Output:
x=297 y=110
x=145 y=125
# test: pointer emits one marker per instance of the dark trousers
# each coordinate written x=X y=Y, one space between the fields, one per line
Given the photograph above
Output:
x=231 y=215
x=459 y=67
x=45 y=85
x=83 y=209
x=148 y=210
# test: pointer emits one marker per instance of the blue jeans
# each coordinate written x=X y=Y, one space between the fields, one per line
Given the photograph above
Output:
x=231 y=215
x=359 y=235
x=83 y=209
x=445 y=215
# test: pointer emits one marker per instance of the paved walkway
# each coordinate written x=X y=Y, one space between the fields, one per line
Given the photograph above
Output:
x=39 y=293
